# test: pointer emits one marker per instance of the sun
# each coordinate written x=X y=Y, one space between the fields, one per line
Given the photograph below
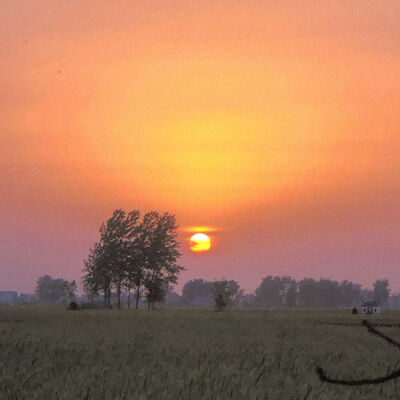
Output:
x=200 y=242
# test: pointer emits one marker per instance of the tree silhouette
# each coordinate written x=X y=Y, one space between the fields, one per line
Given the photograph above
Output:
x=381 y=291
x=224 y=292
x=132 y=255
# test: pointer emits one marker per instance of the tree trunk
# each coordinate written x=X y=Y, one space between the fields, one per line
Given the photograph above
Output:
x=119 y=295
x=137 y=296
x=129 y=297
x=109 y=297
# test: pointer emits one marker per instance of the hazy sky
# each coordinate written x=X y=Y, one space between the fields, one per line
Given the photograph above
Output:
x=276 y=121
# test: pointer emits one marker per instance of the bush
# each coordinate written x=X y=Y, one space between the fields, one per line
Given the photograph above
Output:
x=73 y=306
x=354 y=311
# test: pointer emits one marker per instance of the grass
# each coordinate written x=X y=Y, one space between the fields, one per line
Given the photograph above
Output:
x=190 y=354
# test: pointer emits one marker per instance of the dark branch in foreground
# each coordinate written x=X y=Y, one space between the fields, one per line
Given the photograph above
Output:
x=372 y=330
x=351 y=382
x=324 y=378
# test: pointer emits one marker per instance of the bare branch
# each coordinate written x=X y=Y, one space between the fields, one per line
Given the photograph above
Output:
x=374 y=331
x=353 y=382
x=324 y=378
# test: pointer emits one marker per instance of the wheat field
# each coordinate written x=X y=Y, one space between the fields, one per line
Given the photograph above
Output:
x=191 y=354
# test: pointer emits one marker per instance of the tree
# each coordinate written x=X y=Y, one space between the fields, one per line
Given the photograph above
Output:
x=172 y=298
x=70 y=290
x=270 y=292
x=239 y=298
x=157 y=290
x=350 y=293
x=131 y=255
x=234 y=291
x=224 y=293
x=328 y=293
x=97 y=273
x=291 y=293
x=106 y=265
x=367 y=295
x=247 y=301
x=119 y=235
x=161 y=255
x=381 y=292
x=198 y=291
x=49 y=289
x=308 y=292
x=140 y=250
x=90 y=290
x=276 y=291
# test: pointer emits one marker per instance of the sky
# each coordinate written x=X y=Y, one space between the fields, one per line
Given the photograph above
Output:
x=277 y=123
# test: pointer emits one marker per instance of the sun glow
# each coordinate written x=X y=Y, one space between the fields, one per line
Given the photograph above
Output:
x=198 y=229
x=200 y=242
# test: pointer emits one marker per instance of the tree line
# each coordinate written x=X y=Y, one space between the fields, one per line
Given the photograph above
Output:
x=285 y=292
x=273 y=292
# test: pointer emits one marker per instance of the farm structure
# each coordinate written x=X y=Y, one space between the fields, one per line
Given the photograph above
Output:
x=370 y=307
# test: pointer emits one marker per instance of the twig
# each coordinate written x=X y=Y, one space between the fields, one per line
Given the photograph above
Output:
x=352 y=382
x=371 y=329
x=260 y=375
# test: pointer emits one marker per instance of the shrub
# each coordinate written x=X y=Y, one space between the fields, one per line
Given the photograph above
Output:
x=73 y=306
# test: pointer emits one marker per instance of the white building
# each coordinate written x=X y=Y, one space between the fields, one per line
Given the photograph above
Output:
x=370 y=307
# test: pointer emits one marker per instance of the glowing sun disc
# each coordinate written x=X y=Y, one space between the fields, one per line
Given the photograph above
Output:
x=200 y=242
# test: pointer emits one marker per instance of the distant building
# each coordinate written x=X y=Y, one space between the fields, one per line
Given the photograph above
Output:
x=8 y=297
x=370 y=307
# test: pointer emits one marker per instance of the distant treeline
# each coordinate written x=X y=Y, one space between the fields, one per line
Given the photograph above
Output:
x=274 y=292
x=285 y=292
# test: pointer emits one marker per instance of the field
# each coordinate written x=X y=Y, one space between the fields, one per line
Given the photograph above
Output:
x=190 y=354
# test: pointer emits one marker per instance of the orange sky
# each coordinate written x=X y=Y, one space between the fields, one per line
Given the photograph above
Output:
x=278 y=122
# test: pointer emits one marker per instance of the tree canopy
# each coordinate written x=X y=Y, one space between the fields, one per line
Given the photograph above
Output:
x=381 y=292
x=134 y=254
x=53 y=290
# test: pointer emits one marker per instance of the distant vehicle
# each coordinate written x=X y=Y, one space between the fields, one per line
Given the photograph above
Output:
x=370 y=307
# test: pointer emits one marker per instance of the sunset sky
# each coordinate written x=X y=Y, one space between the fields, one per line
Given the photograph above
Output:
x=276 y=122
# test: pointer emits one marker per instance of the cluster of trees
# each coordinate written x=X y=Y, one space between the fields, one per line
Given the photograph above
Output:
x=54 y=290
x=133 y=254
x=278 y=292
x=225 y=293
x=381 y=292
x=198 y=292
x=201 y=293
x=273 y=292
x=285 y=292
